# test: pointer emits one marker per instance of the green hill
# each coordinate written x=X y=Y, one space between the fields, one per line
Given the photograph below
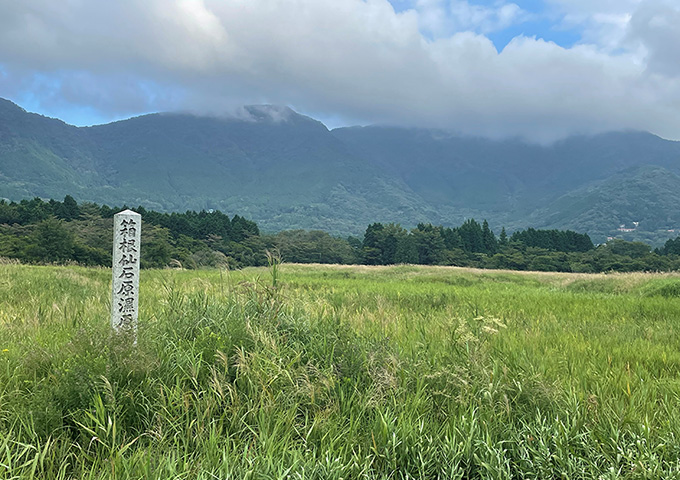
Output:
x=511 y=182
x=642 y=199
x=285 y=170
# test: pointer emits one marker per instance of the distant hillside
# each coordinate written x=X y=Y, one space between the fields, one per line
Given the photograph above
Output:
x=520 y=185
x=285 y=170
x=640 y=203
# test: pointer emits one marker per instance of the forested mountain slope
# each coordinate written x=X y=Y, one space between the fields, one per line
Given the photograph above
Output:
x=285 y=170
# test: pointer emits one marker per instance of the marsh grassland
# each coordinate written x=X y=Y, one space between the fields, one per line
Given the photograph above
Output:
x=341 y=372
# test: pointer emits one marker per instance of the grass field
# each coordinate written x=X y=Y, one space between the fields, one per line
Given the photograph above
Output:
x=341 y=372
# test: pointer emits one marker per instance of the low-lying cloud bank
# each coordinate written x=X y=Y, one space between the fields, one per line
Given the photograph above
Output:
x=358 y=61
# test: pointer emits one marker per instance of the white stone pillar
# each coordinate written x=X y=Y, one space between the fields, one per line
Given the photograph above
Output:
x=127 y=229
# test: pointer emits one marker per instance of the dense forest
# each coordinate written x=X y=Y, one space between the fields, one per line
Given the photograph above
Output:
x=38 y=231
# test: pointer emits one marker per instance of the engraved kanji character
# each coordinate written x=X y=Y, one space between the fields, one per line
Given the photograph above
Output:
x=127 y=260
x=127 y=245
x=126 y=288
x=128 y=273
x=125 y=320
x=126 y=305
x=127 y=227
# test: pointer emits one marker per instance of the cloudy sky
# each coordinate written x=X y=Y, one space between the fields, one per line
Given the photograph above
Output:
x=540 y=69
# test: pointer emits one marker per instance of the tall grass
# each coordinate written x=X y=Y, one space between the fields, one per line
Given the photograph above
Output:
x=345 y=372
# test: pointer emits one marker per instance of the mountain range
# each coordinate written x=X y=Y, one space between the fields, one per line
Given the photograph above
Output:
x=286 y=170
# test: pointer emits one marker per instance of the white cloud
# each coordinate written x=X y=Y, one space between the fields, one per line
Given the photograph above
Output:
x=603 y=22
x=355 y=59
x=442 y=18
x=656 y=26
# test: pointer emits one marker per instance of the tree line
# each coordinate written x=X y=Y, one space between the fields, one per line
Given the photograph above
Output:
x=38 y=231
x=475 y=245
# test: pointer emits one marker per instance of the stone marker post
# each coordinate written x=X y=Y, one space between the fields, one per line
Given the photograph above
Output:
x=127 y=228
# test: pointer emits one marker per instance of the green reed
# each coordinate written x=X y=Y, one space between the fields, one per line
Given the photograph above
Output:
x=341 y=372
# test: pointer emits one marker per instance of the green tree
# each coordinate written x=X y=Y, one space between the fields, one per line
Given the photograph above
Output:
x=407 y=252
x=429 y=244
x=68 y=210
x=671 y=247
x=488 y=239
x=630 y=249
x=503 y=238
x=471 y=235
x=371 y=247
x=156 y=251
x=50 y=242
x=391 y=238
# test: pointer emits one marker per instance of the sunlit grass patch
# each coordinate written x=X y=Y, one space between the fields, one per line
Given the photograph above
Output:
x=340 y=372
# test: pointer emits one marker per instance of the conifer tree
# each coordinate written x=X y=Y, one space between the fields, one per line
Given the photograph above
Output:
x=488 y=239
x=503 y=238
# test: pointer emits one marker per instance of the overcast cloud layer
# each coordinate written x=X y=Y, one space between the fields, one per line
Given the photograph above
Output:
x=429 y=63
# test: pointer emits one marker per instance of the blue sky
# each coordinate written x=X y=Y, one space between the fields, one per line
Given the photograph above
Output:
x=540 y=27
x=538 y=69
x=541 y=20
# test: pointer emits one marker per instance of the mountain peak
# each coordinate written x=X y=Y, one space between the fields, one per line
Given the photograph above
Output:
x=265 y=114
x=269 y=113
x=276 y=114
